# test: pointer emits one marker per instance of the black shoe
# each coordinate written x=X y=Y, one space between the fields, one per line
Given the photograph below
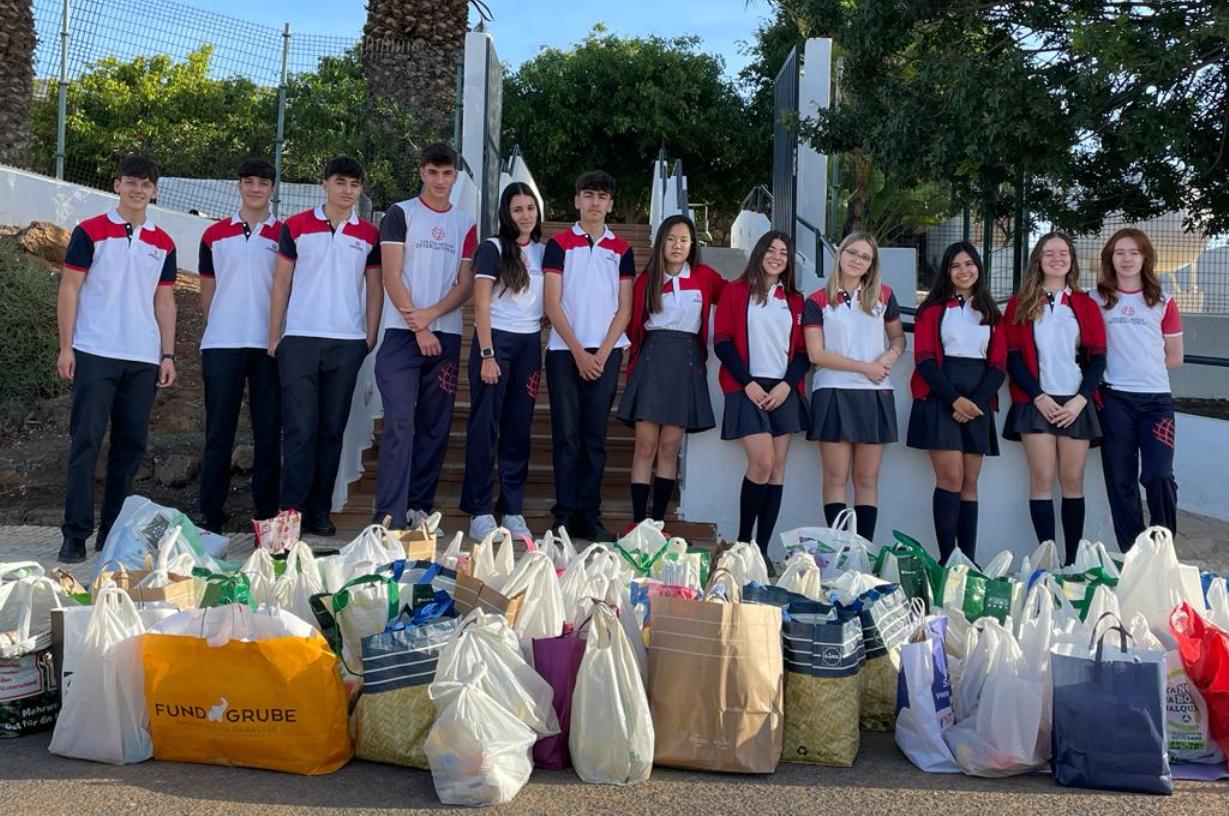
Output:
x=321 y=526
x=562 y=522
x=72 y=551
x=591 y=529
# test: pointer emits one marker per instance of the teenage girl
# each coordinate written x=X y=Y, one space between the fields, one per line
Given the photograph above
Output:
x=1144 y=340
x=960 y=356
x=1056 y=357
x=853 y=413
x=667 y=389
x=757 y=336
x=505 y=363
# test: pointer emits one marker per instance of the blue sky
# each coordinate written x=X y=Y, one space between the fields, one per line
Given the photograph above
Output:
x=521 y=28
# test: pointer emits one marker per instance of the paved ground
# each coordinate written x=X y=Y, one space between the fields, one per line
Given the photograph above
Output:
x=881 y=782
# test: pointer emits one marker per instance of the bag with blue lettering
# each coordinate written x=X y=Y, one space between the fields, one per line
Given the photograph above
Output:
x=924 y=698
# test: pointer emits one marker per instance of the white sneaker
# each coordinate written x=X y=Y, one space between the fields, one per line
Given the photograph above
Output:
x=415 y=518
x=517 y=526
x=482 y=526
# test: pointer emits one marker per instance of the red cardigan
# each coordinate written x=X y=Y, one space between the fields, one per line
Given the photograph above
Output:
x=1020 y=338
x=731 y=324
x=928 y=345
x=702 y=278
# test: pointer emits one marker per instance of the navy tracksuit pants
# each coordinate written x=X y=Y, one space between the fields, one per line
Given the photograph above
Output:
x=500 y=418
x=1137 y=448
x=225 y=371
x=579 y=416
x=418 y=393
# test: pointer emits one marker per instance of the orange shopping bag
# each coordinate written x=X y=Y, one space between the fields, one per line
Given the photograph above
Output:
x=229 y=686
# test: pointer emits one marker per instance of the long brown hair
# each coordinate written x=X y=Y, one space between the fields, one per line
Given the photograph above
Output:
x=872 y=288
x=754 y=273
x=1107 y=284
x=656 y=269
x=1032 y=289
x=513 y=274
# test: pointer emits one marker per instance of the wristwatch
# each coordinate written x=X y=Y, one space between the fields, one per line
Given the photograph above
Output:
x=170 y=357
x=486 y=353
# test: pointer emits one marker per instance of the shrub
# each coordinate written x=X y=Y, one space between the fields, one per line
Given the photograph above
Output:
x=29 y=339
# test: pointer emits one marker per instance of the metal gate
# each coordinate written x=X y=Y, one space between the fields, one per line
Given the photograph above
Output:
x=785 y=146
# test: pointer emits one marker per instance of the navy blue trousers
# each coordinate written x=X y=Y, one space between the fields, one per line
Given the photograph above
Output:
x=418 y=393
x=1137 y=448
x=225 y=371
x=500 y=419
x=579 y=416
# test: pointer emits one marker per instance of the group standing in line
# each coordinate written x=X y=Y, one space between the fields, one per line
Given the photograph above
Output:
x=293 y=308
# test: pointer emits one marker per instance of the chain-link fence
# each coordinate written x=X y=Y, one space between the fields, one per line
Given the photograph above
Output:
x=199 y=92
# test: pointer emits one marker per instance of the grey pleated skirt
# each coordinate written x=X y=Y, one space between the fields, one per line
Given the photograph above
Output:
x=744 y=418
x=668 y=384
x=931 y=426
x=1025 y=418
x=864 y=416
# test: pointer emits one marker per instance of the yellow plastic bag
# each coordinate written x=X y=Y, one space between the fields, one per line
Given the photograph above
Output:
x=229 y=686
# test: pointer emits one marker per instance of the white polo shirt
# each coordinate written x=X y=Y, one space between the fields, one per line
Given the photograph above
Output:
x=962 y=333
x=124 y=265
x=518 y=312
x=436 y=242
x=682 y=307
x=241 y=261
x=591 y=275
x=768 y=334
x=1135 y=341
x=1056 y=333
x=851 y=332
x=328 y=291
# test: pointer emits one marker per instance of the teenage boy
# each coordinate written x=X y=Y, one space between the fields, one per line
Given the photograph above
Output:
x=116 y=315
x=427 y=249
x=237 y=258
x=588 y=273
x=327 y=288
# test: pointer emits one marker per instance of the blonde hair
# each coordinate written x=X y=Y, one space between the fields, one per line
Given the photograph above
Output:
x=872 y=287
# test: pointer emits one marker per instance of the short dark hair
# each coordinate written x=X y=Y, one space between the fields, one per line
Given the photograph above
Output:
x=343 y=166
x=439 y=154
x=598 y=180
x=258 y=168
x=137 y=166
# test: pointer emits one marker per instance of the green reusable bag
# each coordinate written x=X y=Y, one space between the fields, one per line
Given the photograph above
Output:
x=919 y=575
x=221 y=590
x=988 y=597
x=1089 y=580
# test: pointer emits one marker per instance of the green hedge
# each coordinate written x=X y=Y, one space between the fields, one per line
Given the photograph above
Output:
x=28 y=335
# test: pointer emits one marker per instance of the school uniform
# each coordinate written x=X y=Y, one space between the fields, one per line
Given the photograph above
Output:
x=1061 y=353
x=241 y=261
x=118 y=349
x=956 y=356
x=501 y=415
x=847 y=406
x=1137 y=413
x=764 y=343
x=323 y=345
x=666 y=376
x=419 y=391
x=592 y=272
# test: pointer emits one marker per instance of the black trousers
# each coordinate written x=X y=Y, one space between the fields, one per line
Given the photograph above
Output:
x=225 y=371
x=1137 y=448
x=105 y=389
x=579 y=415
x=317 y=378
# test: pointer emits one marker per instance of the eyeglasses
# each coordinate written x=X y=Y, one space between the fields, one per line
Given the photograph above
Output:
x=861 y=256
x=672 y=240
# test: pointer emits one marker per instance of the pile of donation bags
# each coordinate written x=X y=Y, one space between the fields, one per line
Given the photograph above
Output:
x=481 y=664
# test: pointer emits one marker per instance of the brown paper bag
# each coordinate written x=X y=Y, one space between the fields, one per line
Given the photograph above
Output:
x=472 y=593
x=419 y=543
x=183 y=592
x=716 y=685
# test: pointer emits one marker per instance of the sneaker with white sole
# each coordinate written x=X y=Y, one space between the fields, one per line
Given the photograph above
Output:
x=517 y=526
x=482 y=526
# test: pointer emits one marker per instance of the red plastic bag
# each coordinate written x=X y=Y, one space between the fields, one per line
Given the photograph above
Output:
x=1204 y=649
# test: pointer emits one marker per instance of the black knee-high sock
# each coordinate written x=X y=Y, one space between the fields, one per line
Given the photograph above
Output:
x=831 y=511
x=640 y=501
x=868 y=515
x=945 y=505
x=1042 y=513
x=663 y=490
x=966 y=529
x=749 y=501
x=1073 y=525
x=769 y=510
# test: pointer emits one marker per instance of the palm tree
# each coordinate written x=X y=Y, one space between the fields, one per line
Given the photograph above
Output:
x=16 y=79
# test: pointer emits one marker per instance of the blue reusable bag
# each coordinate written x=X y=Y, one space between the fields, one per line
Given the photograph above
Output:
x=1109 y=719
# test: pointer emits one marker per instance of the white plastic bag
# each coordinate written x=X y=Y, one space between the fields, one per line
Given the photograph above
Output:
x=451 y=559
x=801 y=575
x=1045 y=557
x=261 y=576
x=1092 y=555
x=25 y=612
x=541 y=614
x=927 y=698
x=479 y=753
x=368 y=552
x=746 y=563
x=836 y=548
x=76 y=622
x=850 y=586
x=490 y=567
x=1153 y=582
x=300 y=581
x=588 y=577
x=1218 y=603
x=999 y=566
x=611 y=737
x=103 y=717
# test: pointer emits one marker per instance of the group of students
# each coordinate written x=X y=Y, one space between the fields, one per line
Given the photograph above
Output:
x=293 y=308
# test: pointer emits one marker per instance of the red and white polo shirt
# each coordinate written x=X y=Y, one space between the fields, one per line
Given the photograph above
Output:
x=436 y=243
x=591 y=274
x=241 y=261
x=124 y=265
x=1135 y=341
x=328 y=293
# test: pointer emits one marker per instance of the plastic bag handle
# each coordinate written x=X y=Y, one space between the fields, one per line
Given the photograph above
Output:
x=1123 y=634
x=17 y=566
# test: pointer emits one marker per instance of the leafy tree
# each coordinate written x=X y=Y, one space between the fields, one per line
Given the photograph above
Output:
x=611 y=103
